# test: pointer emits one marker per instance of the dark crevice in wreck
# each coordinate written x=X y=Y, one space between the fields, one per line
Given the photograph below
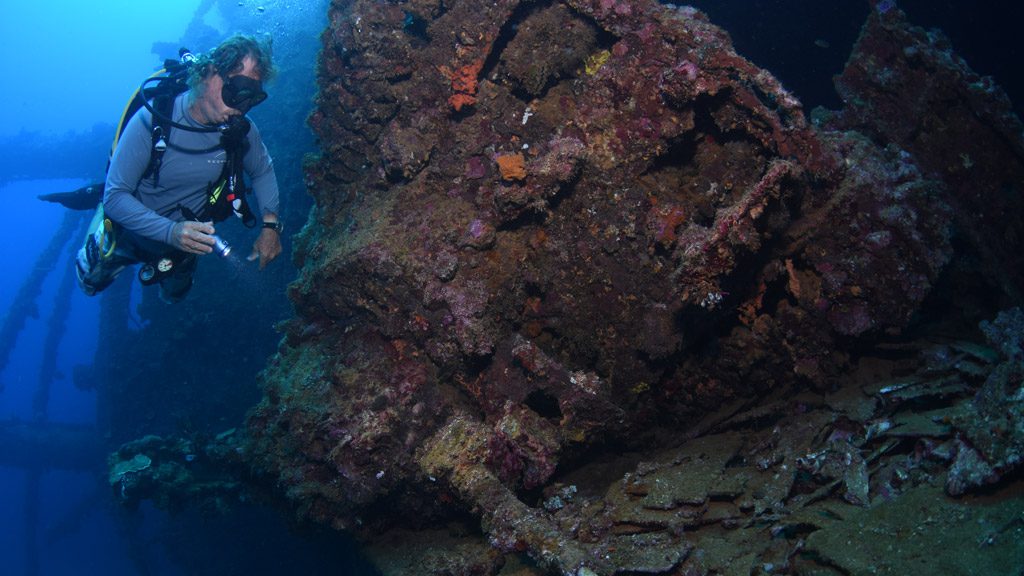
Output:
x=508 y=32
x=565 y=190
x=680 y=174
x=544 y=404
x=418 y=28
x=526 y=219
x=548 y=24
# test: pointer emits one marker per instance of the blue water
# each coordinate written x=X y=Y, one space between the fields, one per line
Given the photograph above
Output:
x=96 y=545
x=59 y=490
x=68 y=66
x=76 y=61
x=68 y=69
x=102 y=538
x=36 y=223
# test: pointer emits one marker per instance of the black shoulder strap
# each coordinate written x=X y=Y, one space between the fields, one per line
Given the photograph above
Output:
x=236 y=145
x=164 y=105
x=226 y=195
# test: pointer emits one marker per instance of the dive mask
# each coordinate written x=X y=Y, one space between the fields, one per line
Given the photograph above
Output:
x=242 y=93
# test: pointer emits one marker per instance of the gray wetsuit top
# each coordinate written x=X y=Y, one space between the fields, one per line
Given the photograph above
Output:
x=191 y=162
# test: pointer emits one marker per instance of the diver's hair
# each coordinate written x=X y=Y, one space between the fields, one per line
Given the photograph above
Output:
x=227 y=59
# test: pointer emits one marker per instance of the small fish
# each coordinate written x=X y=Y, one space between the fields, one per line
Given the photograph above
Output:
x=822 y=43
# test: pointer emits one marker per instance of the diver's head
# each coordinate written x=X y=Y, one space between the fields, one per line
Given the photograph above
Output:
x=229 y=80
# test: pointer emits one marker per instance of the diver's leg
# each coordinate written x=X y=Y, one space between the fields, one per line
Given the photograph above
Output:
x=176 y=285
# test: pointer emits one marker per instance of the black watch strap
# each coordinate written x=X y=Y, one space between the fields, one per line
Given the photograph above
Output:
x=275 y=226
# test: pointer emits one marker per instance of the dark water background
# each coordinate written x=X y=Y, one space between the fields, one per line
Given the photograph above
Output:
x=67 y=70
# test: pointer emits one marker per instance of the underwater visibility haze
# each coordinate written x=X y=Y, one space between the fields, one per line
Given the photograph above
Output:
x=575 y=287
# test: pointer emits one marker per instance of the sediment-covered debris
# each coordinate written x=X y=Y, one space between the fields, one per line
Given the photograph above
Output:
x=177 y=472
x=583 y=278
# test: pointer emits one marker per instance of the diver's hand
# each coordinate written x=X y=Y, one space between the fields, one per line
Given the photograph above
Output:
x=267 y=247
x=193 y=237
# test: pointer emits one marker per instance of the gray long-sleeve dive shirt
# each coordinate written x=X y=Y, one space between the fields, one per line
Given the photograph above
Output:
x=191 y=162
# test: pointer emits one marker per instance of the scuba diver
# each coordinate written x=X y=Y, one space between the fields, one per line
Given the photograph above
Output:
x=180 y=165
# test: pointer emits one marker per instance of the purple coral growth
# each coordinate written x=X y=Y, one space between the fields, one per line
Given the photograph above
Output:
x=475 y=168
x=687 y=69
x=477 y=228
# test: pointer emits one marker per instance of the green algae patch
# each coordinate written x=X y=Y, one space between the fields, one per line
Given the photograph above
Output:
x=454 y=549
x=923 y=532
x=134 y=465
x=697 y=471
